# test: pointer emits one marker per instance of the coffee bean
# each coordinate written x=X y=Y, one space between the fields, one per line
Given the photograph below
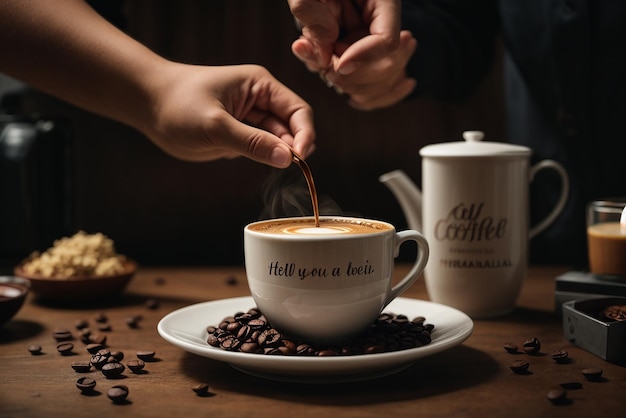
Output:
x=135 y=365
x=104 y=327
x=98 y=339
x=81 y=366
x=118 y=393
x=532 y=346
x=519 y=366
x=118 y=355
x=81 y=324
x=132 y=322
x=269 y=338
x=65 y=348
x=592 y=373
x=86 y=384
x=93 y=348
x=560 y=356
x=112 y=359
x=572 y=385
x=511 y=347
x=201 y=389
x=152 y=304
x=99 y=359
x=114 y=369
x=101 y=317
x=34 y=349
x=145 y=355
x=557 y=395
x=62 y=335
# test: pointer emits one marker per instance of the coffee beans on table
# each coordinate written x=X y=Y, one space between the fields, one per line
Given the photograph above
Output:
x=135 y=365
x=201 y=389
x=118 y=393
x=560 y=356
x=34 y=349
x=65 y=347
x=592 y=373
x=511 y=347
x=250 y=332
x=86 y=384
x=519 y=366
x=145 y=355
x=81 y=366
x=114 y=369
x=532 y=346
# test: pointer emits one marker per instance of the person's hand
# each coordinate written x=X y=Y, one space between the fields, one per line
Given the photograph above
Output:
x=366 y=63
x=376 y=21
x=379 y=83
x=199 y=114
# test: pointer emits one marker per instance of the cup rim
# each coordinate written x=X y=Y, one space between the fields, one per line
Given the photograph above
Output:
x=608 y=205
x=391 y=228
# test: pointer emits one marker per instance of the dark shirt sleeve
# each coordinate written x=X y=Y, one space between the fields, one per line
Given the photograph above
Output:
x=455 y=45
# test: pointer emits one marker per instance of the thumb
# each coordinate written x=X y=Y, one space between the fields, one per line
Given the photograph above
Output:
x=256 y=144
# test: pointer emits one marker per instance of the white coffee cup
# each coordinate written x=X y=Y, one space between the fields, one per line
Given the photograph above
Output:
x=328 y=282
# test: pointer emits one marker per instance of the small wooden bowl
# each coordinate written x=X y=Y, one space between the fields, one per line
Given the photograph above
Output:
x=79 y=288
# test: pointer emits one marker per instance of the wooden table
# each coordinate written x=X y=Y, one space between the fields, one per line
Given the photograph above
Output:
x=470 y=380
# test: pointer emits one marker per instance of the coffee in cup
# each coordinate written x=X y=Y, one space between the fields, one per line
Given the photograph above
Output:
x=606 y=237
x=323 y=283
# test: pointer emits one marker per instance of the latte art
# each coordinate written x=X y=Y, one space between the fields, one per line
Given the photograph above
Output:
x=328 y=226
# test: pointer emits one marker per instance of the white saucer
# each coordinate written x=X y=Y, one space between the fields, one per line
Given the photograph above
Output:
x=186 y=328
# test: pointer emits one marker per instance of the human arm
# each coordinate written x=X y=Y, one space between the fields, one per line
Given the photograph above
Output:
x=192 y=112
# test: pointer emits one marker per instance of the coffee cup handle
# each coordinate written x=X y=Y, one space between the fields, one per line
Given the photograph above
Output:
x=560 y=204
x=419 y=265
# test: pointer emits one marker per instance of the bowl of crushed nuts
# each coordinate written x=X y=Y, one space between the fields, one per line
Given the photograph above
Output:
x=81 y=267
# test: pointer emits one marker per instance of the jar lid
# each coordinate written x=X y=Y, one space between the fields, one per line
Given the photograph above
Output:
x=474 y=146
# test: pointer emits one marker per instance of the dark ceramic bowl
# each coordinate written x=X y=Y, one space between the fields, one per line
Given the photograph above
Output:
x=79 y=288
x=13 y=292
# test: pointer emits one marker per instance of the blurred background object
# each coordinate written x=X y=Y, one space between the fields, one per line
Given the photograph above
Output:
x=101 y=176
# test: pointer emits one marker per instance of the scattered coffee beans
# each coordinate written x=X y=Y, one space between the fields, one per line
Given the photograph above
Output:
x=62 y=335
x=135 y=365
x=118 y=393
x=81 y=366
x=592 y=373
x=114 y=369
x=557 y=395
x=560 y=356
x=101 y=317
x=152 y=304
x=250 y=332
x=99 y=359
x=81 y=324
x=117 y=355
x=201 y=389
x=34 y=349
x=93 y=348
x=519 y=366
x=86 y=384
x=65 y=348
x=510 y=347
x=145 y=355
x=532 y=346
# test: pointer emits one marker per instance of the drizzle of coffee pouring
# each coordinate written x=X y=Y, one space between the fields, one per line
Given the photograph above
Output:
x=309 y=180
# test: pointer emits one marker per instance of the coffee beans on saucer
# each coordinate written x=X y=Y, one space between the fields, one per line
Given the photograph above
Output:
x=250 y=332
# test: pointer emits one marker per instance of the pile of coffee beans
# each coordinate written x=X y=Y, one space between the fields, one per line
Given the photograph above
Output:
x=250 y=332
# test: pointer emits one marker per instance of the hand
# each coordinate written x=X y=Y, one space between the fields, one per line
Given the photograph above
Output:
x=378 y=83
x=367 y=64
x=376 y=22
x=198 y=114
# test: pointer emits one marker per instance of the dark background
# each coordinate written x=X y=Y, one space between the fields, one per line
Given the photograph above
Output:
x=159 y=210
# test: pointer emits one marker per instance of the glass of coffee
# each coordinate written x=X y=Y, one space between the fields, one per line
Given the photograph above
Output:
x=323 y=283
x=606 y=237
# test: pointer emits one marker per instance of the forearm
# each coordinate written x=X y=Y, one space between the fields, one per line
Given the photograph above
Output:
x=65 y=48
